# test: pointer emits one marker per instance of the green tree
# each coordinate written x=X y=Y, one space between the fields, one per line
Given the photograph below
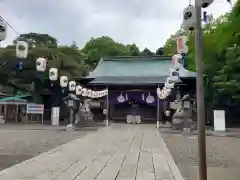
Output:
x=96 y=48
x=69 y=61
x=160 y=51
x=38 y=40
x=147 y=52
x=133 y=50
x=227 y=78
x=218 y=35
x=74 y=45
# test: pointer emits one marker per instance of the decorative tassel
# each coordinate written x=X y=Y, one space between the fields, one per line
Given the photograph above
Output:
x=126 y=97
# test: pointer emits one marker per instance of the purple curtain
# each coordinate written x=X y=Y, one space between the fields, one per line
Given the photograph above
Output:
x=139 y=96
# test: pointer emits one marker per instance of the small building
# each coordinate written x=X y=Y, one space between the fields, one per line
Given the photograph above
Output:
x=11 y=108
x=134 y=79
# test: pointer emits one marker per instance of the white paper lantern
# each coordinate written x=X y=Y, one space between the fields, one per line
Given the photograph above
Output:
x=72 y=86
x=169 y=83
x=105 y=92
x=98 y=94
x=93 y=94
x=22 y=49
x=182 y=47
x=3 y=30
x=53 y=74
x=174 y=75
x=189 y=18
x=89 y=93
x=164 y=95
x=78 y=90
x=121 y=98
x=176 y=61
x=177 y=66
x=169 y=86
x=84 y=92
x=63 y=81
x=104 y=111
x=41 y=64
x=168 y=91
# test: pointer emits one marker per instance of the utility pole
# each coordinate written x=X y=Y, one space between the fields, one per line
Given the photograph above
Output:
x=200 y=95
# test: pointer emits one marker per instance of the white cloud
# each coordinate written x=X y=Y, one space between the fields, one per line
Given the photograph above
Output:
x=148 y=23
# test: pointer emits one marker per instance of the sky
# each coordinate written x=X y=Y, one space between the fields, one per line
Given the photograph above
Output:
x=147 y=24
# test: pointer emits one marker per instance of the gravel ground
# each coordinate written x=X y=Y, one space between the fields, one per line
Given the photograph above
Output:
x=21 y=142
x=223 y=156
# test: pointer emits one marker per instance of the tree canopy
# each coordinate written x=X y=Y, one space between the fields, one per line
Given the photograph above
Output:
x=71 y=60
x=221 y=53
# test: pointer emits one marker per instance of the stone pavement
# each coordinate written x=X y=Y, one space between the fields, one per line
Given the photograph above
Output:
x=117 y=152
x=223 y=158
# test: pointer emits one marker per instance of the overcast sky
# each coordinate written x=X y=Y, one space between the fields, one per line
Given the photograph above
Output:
x=148 y=23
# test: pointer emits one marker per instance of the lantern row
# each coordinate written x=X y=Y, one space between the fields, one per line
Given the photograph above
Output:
x=174 y=73
x=41 y=65
x=71 y=85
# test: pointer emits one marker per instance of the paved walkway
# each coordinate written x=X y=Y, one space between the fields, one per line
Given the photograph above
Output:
x=117 y=152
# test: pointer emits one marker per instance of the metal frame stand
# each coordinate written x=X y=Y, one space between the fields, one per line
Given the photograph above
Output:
x=158 y=113
x=70 y=126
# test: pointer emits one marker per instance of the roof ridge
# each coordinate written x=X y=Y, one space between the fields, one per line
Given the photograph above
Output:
x=127 y=58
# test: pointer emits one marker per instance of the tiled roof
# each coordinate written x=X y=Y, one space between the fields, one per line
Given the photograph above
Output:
x=128 y=70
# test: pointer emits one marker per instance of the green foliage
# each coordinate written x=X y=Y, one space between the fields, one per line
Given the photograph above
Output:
x=221 y=40
x=70 y=60
x=35 y=39
x=160 y=51
x=96 y=48
x=133 y=50
x=146 y=52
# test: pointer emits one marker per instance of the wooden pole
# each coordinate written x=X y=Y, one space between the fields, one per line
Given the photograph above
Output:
x=200 y=96
x=107 y=107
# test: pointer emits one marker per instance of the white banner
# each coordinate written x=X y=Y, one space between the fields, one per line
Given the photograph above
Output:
x=219 y=120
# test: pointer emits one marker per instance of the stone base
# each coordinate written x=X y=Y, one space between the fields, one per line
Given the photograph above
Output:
x=70 y=128
x=106 y=122
x=133 y=119
x=177 y=124
x=2 y=121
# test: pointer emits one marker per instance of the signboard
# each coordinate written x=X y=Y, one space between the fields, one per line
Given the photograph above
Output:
x=219 y=120
x=175 y=105
x=35 y=108
x=186 y=104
